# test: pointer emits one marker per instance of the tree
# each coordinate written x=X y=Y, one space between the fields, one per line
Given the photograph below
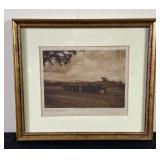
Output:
x=61 y=57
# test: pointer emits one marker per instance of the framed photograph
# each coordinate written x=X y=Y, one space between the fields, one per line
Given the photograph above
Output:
x=84 y=79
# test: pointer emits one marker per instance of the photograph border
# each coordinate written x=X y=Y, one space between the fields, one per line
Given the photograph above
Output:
x=106 y=111
x=21 y=135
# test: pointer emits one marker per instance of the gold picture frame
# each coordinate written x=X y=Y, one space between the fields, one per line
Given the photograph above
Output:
x=18 y=24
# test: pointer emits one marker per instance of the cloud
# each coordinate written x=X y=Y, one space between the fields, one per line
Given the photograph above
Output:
x=91 y=65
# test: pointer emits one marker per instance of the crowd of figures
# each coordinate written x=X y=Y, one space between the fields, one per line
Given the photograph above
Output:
x=84 y=88
x=99 y=87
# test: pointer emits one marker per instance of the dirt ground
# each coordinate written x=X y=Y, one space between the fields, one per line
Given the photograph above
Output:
x=56 y=97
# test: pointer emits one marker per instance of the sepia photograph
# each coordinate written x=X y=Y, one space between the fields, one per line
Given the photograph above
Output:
x=84 y=77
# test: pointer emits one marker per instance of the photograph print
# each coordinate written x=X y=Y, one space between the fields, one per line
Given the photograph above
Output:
x=84 y=80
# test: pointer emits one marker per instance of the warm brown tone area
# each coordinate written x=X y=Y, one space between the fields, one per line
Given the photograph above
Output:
x=90 y=66
x=91 y=79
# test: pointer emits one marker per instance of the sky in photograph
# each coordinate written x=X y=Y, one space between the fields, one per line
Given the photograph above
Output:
x=91 y=65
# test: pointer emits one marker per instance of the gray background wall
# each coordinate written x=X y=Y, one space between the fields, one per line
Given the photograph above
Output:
x=9 y=96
